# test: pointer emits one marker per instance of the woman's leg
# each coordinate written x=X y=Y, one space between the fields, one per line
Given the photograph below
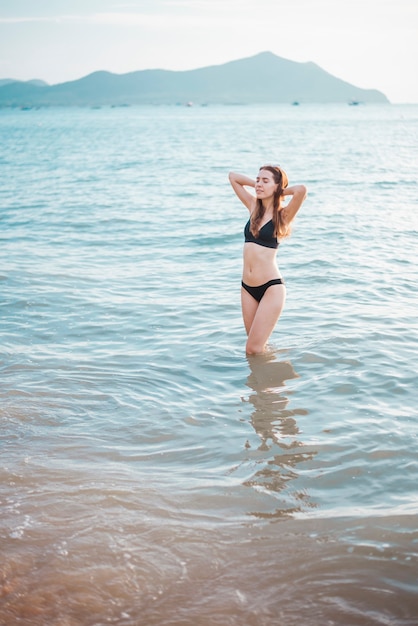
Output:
x=249 y=307
x=265 y=318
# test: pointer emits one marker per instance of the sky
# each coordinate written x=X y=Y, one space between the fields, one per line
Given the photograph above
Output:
x=372 y=44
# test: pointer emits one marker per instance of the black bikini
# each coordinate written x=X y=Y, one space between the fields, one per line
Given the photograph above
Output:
x=258 y=292
x=266 y=239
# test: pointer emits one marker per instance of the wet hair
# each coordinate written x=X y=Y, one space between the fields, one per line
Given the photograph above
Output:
x=281 y=229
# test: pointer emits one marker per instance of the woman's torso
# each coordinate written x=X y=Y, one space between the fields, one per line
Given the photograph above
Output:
x=259 y=262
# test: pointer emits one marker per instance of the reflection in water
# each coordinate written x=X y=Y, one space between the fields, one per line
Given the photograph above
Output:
x=276 y=426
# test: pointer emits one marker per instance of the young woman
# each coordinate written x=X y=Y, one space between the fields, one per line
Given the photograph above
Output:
x=263 y=292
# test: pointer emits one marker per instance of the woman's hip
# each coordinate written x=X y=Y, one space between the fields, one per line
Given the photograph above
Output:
x=258 y=291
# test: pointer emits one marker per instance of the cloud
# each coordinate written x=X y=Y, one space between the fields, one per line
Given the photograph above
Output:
x=29 y=19
x=23 y=20
x=145 y=13
x=148 y=20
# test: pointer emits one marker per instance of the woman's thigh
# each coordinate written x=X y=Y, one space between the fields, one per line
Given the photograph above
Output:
x=265 y=317
x=249 y=309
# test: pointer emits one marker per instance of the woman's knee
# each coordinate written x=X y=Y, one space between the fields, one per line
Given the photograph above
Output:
x=254 y=347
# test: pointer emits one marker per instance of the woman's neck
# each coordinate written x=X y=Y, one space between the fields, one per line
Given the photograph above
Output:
x=268 y=207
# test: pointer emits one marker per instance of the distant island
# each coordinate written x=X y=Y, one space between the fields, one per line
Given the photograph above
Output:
x=263 y=78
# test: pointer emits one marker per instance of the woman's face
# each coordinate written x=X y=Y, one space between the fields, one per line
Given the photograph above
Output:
x=265 y=185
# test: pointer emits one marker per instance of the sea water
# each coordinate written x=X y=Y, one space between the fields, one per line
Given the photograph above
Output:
x=151 y=473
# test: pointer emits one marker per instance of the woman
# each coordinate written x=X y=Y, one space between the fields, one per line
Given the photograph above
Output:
x=263 y=292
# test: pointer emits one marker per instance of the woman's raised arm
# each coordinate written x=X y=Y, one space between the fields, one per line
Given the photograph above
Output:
x=239 y=182
x=298 y=193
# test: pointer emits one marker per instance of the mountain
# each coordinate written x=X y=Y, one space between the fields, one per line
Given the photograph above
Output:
x=263 y=78
x=34 y=81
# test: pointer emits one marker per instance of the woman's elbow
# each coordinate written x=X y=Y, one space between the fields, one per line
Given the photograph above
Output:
x=302 y=192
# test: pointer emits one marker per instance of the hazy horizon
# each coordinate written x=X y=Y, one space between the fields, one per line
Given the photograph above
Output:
x=368 y=44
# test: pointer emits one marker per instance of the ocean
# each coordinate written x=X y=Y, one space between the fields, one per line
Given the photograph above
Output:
x=154 y=475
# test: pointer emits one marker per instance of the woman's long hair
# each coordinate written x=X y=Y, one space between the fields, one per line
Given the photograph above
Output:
x=280 y=228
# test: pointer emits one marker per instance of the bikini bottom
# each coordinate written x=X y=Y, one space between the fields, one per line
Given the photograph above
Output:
x=258 y=292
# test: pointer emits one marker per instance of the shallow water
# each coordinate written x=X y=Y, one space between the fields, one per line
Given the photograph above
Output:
x=152 y=473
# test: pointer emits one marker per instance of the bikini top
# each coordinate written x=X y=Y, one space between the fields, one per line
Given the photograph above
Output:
x=265 y=237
